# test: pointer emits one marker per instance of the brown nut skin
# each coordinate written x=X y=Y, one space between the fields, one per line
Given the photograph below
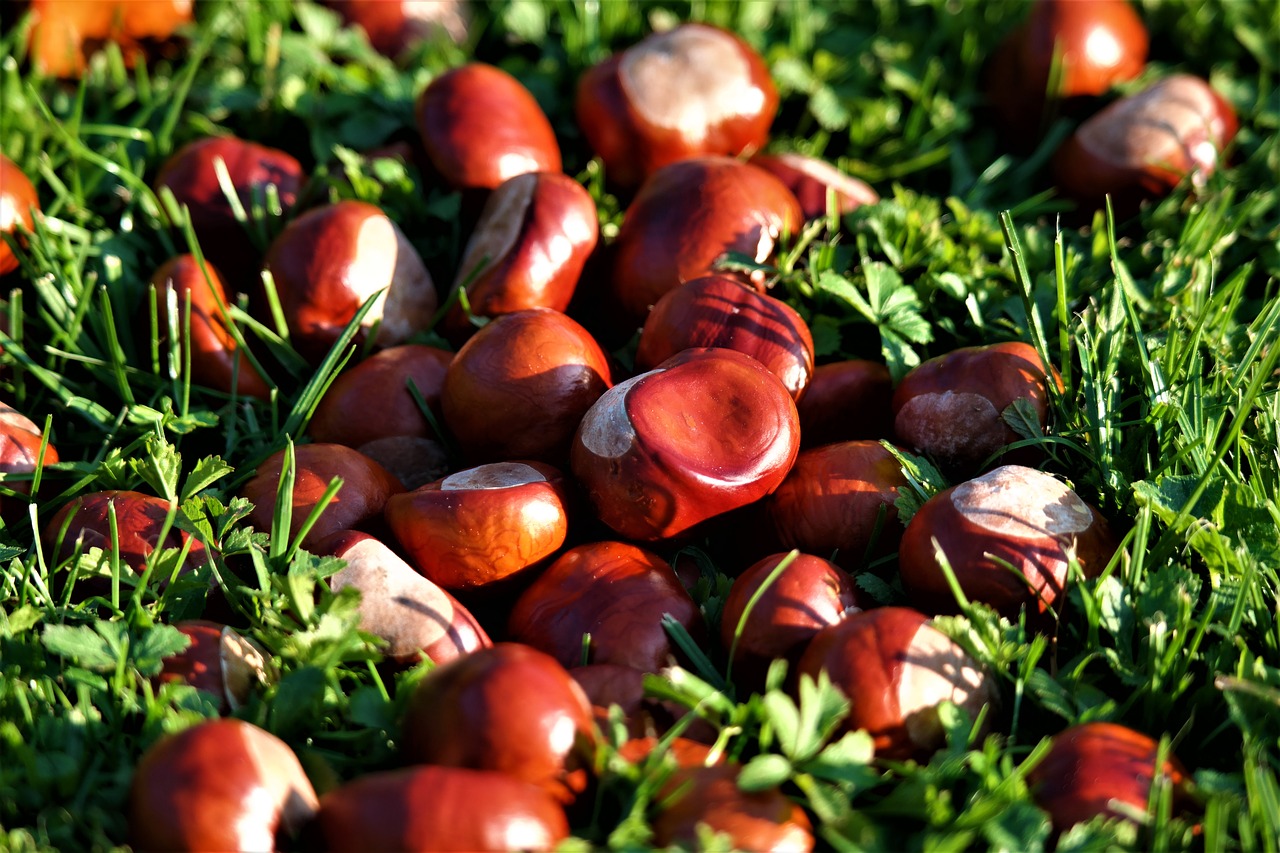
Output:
x=1013 y=515
x=950 y=407
x=810 y=179
x=520 y=386
x=708 y=431
x=1093 y=764
x=896 y=670
x=1142 y=146
x=18 y=203
x=716 y=311
x=365 y=489
x=615 y=592
x=809 y=595
x=509 y=708
x=481 y=127
x=692 y=91
x=328 y=261
x=67 y=32
x=414 y=616
x=686 y=216
x=759 y=820
x=372 y=400
x=439 y=808
x=832 y=499
x=846 y=401
x=20 y=441
x=608 y=684
x=527 y=250
x=483 y=524
x=394 y=26
x=139 y=520
x=219 y=661
x=220 y=785
x=216 y=359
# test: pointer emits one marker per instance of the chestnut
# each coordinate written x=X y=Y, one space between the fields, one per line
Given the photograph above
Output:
x=20 y=441
x=328 y=261
x=18 y=204
x=372 y=399
x=716 y=311
x=687 y=216
x=1092 y=767
x=1142 y=146
x=951 y=407
x=609 y=684
x=707 y=431
x=692 y=91
x=139 y=521
x=710 y=797
x=615 y=592
x=509 y=708
x=520 y=386
x=216 y=359
x=846 y=401
x=439 y=808
x=365 y=489
x=394 y=26
x=811 y=180
x=219 y=785
x=481 y=127
x=483 y=524
x=680 y=751
x=219 y=661
x=896 y=669
x=415 y=617
x=1012 y=517
x=66 y=32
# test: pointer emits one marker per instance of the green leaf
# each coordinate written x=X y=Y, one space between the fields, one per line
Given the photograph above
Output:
x=298 y=700
x=1022 y=418
x=157 y=643
x=784 y=716
x=160 y=468
x=764 y=772
x=82 y=644
x=208 y=471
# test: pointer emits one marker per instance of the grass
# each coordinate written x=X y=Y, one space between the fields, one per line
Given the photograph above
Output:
x=1165 y=327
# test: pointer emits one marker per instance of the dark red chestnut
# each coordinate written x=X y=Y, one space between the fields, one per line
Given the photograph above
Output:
x=20 y=441
x=846 y=401
x=951 y=406
x=509 y=708
x=811 y=180
x=415 y=617
x=220 y=662
x=481 y=127
x=708 y=431
x=220 y=785
x=139 y=521
x=615 y=592
x=18 y=203
x=520 y=386
x=896 y=670
x=484 y=524
x=687 y=216
x=1013 y=516
x=440 y=808
x=710 y=797
x=394 y=26
x=716 y=311
x=372 y=399
x=66 y=32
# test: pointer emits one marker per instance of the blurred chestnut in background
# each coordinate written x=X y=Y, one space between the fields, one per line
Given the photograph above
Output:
x=481 y=127
x=710 y=797
x=414 y=616
x=615 y=592
x=689 y=214
x=810 y=179
x=1013 y=516
x=439 y=808
x=692 y=91
x=508 y=708
x=67 y=32
x=394 y=26
x=139 y=520
x=18 y=203
x=219 y=662
x=216 y=359
x=20 y=441
x=707 y=431
x=328 y=261
x=608 y=684
x=483 y=524
x=520 y=386
x=896 y=669
x=846 y=401
x=715 y=311
x=219 y=785
x=951 y=407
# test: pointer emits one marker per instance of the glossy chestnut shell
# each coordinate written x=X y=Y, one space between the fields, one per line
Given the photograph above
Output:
x=811 y=180
x=372 y=400
x=219 y=661
x=20 y=441
x=139 y=521
x=846 y=401
x=18 y=203
x=758 y=820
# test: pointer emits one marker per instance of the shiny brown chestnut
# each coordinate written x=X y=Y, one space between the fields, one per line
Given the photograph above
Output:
x=439 y=808
x=20 y=441
x=220 y=785
x=846 y=401
x=1011 y=517
x=692 y=91
x=509 y=708
x=811 y=180
x=139 y=521
x=394 y=26
x=219 y=661
x=333 y=258
x=717 y=311
x=709 y=796
x=216 y=359
x=365 y=489
x=18 y=204
x=414 y=616
x=66 y=32
x=1094 y=767
x=896 y=670
x=839 y=499
x=520 y=386
x=689 y=214
x=1142 y=146
x=481 y=127
x=616 y=593
x=707 y=431
x=951 y=407
x=483 y=524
